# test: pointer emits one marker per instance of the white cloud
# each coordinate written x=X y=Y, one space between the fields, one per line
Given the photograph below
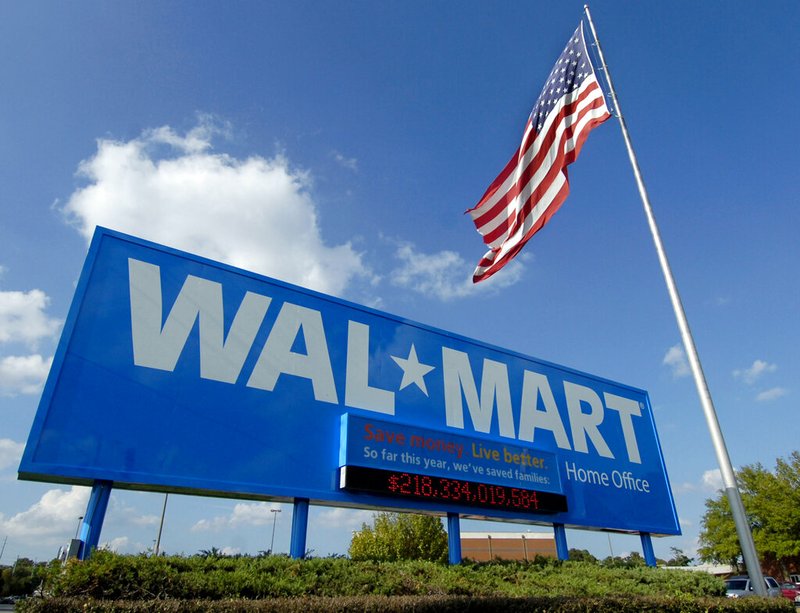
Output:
x=684 y=488
x=751 y=374
x=23 y=374
x=253 y=513
x=144 y=520
x=123 y=514
x=254 y=213
x=772 y=394
x=675 y=358
x=10 y=452
x=196 y=140
x=243 y=514
x=260 y=514
x=446 y=275
x=210 y=525
x=345 y=162
x=712 y=480
x=125 y=545
x=118 y=544
x=343 y=519
x=23 y=320
x=54 y=515
x=22 y=317
x=53 y=519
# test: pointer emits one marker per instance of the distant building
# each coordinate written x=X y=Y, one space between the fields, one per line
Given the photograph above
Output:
x=485 y=546
x=718 y=570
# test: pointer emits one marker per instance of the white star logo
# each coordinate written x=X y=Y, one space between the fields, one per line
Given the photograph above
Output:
x=413 y=370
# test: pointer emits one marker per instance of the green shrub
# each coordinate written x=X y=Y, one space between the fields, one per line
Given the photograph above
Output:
x=416 y=604
x=112 y=577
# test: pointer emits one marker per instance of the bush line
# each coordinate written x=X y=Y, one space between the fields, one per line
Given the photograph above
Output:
x=415 y=604
x=112 y=582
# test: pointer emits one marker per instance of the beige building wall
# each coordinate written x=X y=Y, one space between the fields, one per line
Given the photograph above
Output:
x=485 y=546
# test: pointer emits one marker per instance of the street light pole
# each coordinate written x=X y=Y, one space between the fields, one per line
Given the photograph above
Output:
x=157 y=548
x=274 y=519
x=78 y=529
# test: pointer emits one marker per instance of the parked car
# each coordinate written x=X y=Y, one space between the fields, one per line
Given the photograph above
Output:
x=791 y=591
x=739 y=587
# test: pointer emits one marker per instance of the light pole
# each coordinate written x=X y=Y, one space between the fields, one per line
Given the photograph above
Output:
x=78 y=529
x=157 y=547
x=274 y=519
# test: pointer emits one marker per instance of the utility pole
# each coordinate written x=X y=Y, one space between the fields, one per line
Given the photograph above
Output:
x=274 y=519
x=161 y=526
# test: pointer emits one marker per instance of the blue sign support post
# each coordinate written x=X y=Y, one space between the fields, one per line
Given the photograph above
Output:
x=647 y=549
x=454 y=538
x=93 y=518
x=297 y=548
x=560 y=533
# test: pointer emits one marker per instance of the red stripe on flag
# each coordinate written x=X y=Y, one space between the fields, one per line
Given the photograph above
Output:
x=484 y=217
x=534 y=183
x=563 y=159
x=503 y=223
x=517 y=158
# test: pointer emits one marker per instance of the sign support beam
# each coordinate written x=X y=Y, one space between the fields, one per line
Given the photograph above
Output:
x=297 y=548
x=647 y=548
x=93 y=518
x=454 y=538
x=560 y=533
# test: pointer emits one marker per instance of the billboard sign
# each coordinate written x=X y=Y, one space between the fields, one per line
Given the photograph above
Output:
x=177 y=373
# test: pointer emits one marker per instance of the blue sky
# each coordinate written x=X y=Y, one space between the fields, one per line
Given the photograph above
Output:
x=336 y=145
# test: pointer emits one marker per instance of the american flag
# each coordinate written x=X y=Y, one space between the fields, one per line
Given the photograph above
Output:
x=534 y=183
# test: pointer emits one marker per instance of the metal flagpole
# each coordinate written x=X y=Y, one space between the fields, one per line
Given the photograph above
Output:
x=728 y=477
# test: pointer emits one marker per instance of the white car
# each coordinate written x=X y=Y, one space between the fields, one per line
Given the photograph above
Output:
x=739 y=587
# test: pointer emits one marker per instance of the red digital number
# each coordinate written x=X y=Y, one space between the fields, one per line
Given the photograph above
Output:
x=467 y=492
x=427 y=486
x=405 y=483
x=455 y=492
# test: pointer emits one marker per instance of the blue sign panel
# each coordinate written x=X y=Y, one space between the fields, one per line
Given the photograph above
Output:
x=176 y=373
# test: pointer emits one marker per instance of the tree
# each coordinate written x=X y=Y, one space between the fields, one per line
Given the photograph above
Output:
x=772 y=503
x=582 y=555
x=632 y=560
x=400 y=536
x=678 y=558
x=21 y=578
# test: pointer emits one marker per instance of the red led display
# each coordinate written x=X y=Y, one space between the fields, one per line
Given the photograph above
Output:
x=401 y=484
